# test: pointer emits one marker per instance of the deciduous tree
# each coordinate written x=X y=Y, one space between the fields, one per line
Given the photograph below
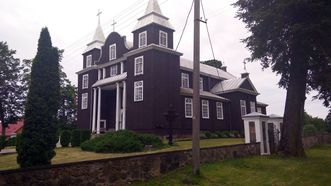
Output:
x=293 y=37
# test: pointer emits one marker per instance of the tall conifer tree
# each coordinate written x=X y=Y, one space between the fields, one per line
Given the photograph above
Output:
x=39 y=139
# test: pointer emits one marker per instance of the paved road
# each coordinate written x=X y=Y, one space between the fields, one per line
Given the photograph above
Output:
x=8 y=151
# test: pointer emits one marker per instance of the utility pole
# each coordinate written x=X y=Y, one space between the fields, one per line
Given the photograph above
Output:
x=196 y=91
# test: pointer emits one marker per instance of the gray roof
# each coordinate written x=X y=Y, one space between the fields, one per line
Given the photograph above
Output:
x=97 y=41
x=261 y=104
x=203 y=94
x=255 y=114
x=231 y=85
x=153 y=14
x=206 y=70
x=110 y=80
x=274 y=116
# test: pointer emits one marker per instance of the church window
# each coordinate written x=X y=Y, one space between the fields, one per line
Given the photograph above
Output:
x=219 y=110
x=113 y=70
x=139 y=66
x=205 y=109
x=88 y=61
x=252 y=104
x=138 y=91
x=84 y=101
x=243 y=107
x=85 y=81
x=259 y=109
x=185 y=80
x=188 y=108
x=112 y=52
x=163 y=39
x=143 y=39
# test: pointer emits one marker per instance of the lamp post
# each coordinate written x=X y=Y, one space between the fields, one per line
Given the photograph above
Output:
x=170 y=116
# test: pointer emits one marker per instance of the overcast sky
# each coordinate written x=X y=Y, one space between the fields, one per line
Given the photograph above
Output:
x=72 y=23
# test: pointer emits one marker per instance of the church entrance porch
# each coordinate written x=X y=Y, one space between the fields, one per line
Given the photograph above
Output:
x=109 y=103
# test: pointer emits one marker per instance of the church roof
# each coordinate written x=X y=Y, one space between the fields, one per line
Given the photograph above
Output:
x=203 y=94
x=255 y=114
x=153 y=14
x=232 y=85
x=206 y=70
x=97 y=41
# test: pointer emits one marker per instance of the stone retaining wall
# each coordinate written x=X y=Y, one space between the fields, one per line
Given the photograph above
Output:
x=317 y=139
x=120 y=171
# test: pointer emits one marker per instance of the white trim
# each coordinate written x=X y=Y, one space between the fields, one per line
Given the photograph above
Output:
x=219 y=111
x=201 y=83
x=99 y=73
x=104 y=73
x=138 y=89
x=124 y=106
x=85 y=80
x=136 y=63
x=185 y=77
x=243 y=105
x=188 y=104
x=113 y=70
x=99 y=110
x=122 y=67
x=139 y=39
x=88 y=61
x=253 y=106
x=111 y=56
x=166 y=39
x=118 y=106
x=205 y=105
x=84 y=104
x=94 y=108
x=105 y=125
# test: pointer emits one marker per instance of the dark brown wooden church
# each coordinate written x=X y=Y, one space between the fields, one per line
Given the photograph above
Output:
x=126 y=85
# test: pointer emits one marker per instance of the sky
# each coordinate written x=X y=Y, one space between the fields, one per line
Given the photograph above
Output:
x=72 y=24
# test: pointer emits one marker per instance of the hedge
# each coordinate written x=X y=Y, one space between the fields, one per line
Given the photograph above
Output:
x=85 y=135
x=65 y=138
x=75 y=138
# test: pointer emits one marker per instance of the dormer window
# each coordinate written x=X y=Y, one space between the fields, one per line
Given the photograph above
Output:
x=113 y=70
x=88 y=61
x=112 y=52
x=143 y=39
x=163 y=39
x=185 y=80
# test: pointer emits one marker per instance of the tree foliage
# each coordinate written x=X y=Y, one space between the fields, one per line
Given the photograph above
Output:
x=317 y=122
x=39 y=139
x=328 y=122
x=293 y=38
x=213 y=62
x=11 y=89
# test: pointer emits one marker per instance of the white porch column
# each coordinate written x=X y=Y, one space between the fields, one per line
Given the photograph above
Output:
x=124 y=105
x=99 y=110
x=104 y=73
x=118 y=102
x=122 y=67
x=94 y=108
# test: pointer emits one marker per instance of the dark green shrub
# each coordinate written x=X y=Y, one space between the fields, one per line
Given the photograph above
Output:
x=309 y=130
x=150 y=139
x=117 y=142
x=222 y=134
x=85 y=135
x=208 y=134
x=213 y=136
x=11 y=142
x=65 y=138
x=75 y=138
x=203 y=135
x=2 y=142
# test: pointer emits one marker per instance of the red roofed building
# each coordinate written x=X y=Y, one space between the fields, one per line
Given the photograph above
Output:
x=13 y=129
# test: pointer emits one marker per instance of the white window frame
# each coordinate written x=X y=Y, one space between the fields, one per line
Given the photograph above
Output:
x=243 y=105
x=259 y=110
x=84 y=103
x=219 y=111
x=99 y=74
x=85 y=81
x=166 y=39
x=188 y=107
x=205 y=109
x=112 y=55
x=113 y=70
x=144 y=43
x=253 y=106
x=201 y=84
x=185 y=77
x=139 y=70
x=104 y=73
x=88 y=61
x=138 y=89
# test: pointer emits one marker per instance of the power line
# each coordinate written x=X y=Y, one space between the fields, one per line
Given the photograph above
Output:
x=206 y=23
x=188 y=16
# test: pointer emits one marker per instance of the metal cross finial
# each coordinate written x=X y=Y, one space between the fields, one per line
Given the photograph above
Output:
x=99 y=14
x=114 y=23
x=245 y=65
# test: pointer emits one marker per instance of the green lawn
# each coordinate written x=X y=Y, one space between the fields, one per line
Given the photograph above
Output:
x=262 y=170
x=66 y=155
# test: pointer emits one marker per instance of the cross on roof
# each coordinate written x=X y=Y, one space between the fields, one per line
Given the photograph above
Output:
x=99 y=14
x=245 y=65
x=114 y=23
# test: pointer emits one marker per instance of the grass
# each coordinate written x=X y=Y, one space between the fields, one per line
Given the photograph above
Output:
x=262 y=170
x=67 y=155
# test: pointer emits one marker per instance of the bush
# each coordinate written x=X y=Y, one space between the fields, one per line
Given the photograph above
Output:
x=75 y=138
x=85 y=135
x=309 y=130
x=208 y=134
x=117 y=142
x=65 y=138
x=2 y=142
x=11 y=142
x=150 y=139
x=203 y=135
